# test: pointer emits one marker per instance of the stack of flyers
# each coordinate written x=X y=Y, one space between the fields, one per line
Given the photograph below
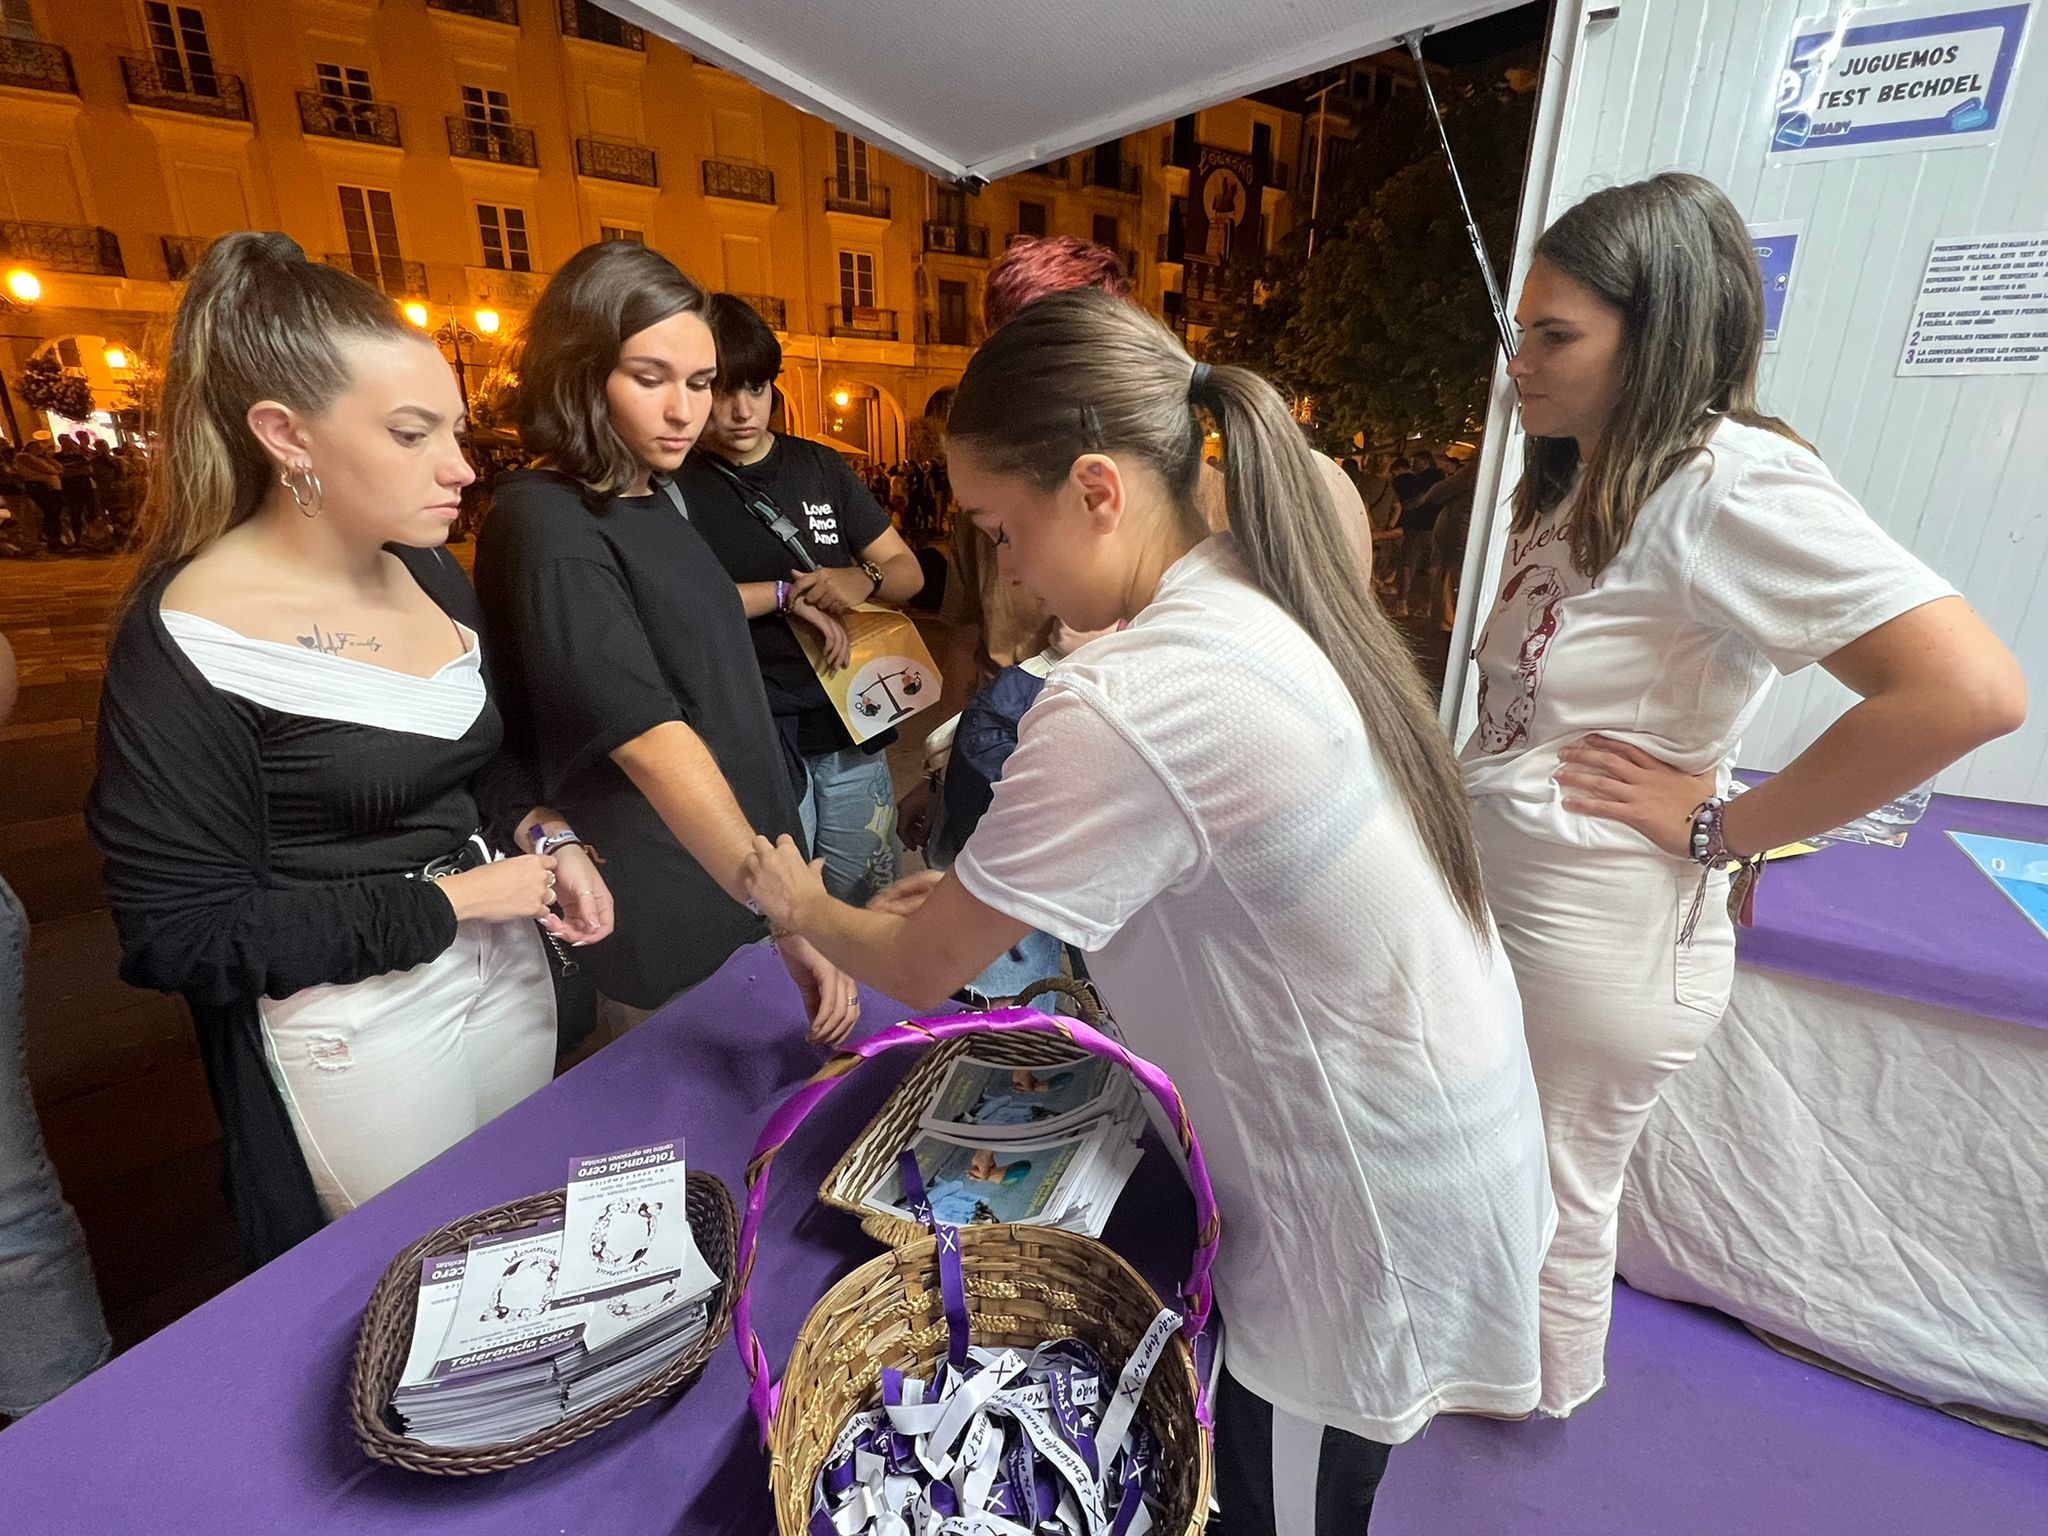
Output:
x=1043 y=1145
x=530 y=1327
x=492 y=1375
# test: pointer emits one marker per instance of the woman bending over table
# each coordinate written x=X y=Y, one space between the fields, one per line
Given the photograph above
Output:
x=310 y=830
x=1242 y=809
x=1672 y=548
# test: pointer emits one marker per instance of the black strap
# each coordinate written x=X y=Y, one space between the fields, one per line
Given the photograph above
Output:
x=765 y=511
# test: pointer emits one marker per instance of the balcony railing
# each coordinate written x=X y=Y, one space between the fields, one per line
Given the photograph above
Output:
x=1052 y=170
x=203 y=92
x=768 y=307
x=506 y=11
x=344 y=117
x=181 y=254
x=1123 y=177
x=504 y=287
x=860 y=321
x=36 y=66
x=398 y=278
x=956 y=239
x=615 y=160
x=582 y=19
x=469 y=139
x=62 y=247
x=1173 y=246
x=843 y=194
x=737 y=180
x=968 y=333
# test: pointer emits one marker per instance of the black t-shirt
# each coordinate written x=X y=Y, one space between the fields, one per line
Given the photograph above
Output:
x=834 y=516
x=606 y=619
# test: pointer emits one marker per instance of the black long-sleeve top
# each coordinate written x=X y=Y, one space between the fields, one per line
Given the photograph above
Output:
x=211 y=901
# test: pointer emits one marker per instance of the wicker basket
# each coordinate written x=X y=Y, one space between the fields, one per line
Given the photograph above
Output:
x=872 y=1156
x=386 y=1338
x=1025 y=1285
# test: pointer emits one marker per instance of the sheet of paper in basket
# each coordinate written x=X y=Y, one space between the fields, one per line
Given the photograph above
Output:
x=997 y=1101
x=627 y=1224
x=504 y=1313
x=1071 y=1181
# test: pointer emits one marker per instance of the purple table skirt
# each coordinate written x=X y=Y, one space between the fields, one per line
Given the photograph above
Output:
x=235 y=1418
x=1919 y=922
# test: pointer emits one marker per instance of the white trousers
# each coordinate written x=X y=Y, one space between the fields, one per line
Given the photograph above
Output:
x=384 y=1075
x=1613 y=1004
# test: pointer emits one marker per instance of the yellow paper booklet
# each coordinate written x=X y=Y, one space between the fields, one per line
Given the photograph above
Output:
x=890 y=677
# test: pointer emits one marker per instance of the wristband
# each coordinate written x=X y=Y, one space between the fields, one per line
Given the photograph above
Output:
x=545 y=842
x=782 y=597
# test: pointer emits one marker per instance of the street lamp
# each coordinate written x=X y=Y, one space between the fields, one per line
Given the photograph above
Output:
x=117 y=359
x=452 y=334
x=22 y=291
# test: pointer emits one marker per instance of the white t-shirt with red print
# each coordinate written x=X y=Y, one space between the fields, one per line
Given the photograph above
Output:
x=1749 y=561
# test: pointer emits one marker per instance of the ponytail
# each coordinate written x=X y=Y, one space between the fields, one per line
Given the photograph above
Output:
x=1082 y=372
x=1291 y=539
x=257 y=322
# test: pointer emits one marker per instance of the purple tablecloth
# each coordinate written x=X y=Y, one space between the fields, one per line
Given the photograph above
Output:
x=1918 y=921
x=235 y=1418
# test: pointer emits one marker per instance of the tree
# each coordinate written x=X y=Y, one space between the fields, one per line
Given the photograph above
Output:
x=142 y=393
x=1388 y=326
x=46 y=386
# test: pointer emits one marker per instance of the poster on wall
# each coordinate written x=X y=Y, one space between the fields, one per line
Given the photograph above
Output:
x=1777 y=255
x=1223 y=206
x=1882 y=80
x=1983 y=308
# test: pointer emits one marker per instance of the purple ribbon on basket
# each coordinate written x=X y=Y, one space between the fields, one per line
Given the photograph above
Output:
x=952 y=1284
x=765 y=1393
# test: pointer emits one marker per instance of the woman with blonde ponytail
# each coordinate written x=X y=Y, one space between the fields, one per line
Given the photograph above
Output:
x=309 y=827
x=1241 y=807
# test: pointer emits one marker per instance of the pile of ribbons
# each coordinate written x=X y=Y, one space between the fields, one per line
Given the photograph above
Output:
x=1000 y=1442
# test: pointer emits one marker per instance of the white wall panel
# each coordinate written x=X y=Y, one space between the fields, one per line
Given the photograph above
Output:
x=1954 y=468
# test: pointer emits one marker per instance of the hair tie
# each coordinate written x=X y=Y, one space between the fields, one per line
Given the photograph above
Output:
x=1198 y=382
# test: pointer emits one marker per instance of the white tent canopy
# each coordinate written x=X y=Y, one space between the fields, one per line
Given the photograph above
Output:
x=981 y=88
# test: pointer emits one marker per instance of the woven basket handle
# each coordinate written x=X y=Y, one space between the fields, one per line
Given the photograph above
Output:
x=766 y=1392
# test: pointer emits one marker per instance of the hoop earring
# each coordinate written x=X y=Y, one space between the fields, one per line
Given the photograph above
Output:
x=304 y=485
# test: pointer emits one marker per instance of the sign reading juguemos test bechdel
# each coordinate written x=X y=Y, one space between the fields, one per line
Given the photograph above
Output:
x=1983 y=308
x=1880 y=80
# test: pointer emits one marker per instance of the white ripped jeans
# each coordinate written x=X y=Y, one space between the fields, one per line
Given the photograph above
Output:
x=1613 y=1005
x=383 y=1075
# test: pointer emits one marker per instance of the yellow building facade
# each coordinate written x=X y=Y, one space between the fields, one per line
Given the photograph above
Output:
x=457 y=151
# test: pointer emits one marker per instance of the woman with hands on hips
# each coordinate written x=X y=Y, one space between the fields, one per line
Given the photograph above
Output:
x=310 y=828
x=1672 y=549
x=631 y=686
x=1306 y=953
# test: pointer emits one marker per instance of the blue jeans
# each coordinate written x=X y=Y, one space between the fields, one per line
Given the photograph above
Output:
x=849 y=818
x=1032 y=958
x=51 y=1330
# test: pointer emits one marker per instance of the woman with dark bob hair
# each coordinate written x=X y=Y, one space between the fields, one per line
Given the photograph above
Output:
x=630 y=677
x=1673 y=548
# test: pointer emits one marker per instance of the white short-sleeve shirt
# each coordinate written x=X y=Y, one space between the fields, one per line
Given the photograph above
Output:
x=1195 y=802
x=1750 y=560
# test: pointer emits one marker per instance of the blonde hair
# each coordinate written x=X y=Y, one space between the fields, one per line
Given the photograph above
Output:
x=257 y=322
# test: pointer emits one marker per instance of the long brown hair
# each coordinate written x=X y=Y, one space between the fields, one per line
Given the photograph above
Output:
x=257 y=322
x=1671 y=255
x=602 y=295
x=1082 y=372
